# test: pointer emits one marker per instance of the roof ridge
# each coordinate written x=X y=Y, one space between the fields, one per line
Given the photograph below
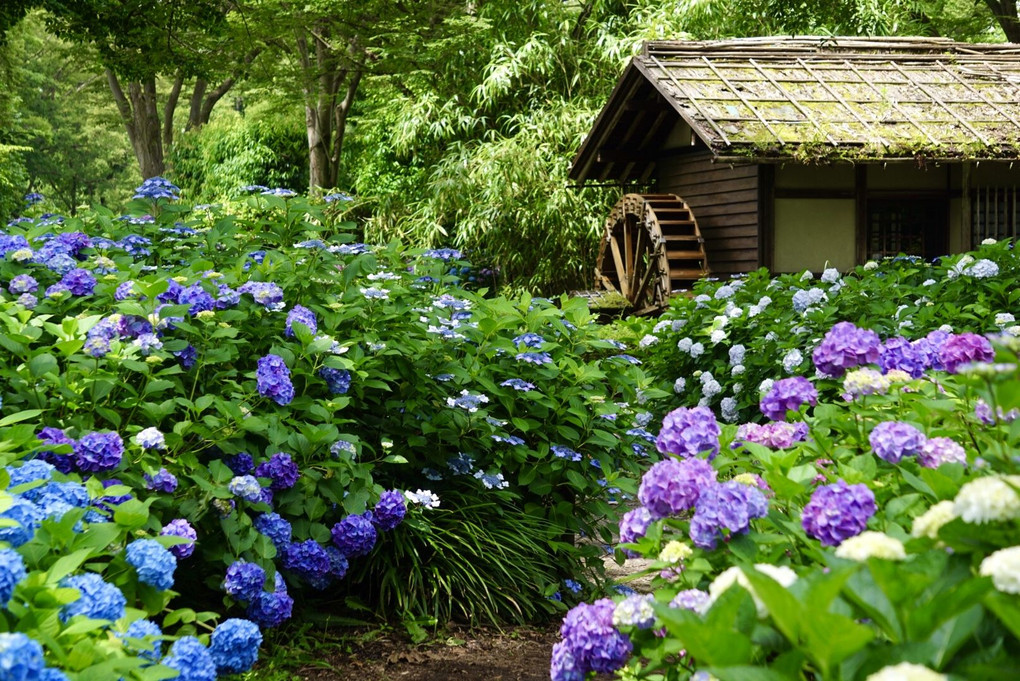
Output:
x=803 y=44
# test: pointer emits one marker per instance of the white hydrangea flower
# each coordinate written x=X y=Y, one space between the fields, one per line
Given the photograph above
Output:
x=1014 y=331
x=927 y=282
x=946 y=327
x=648 y=340
x=677 y=324
x=718 y=336
x=737 y=370
x=734 y=575
x=807 y=276
x=422 y=497
x=675 y=551
x=661 y=326
x=792 y=360
x=728 y=405
x=1004 y=319
x=736 y=354
x=765 y=385
x=830 y=275
x=738 y=388
x=988 y=499
x=697 y=350
x=1003 y=567
x=679 y=385
x=684 y=344
x=870 y=265
x=906 y=671
x=871 y=545
x=988 y=242
x=928 y=523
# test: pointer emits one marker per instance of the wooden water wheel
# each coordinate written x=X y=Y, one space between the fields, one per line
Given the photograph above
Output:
x=651 y=246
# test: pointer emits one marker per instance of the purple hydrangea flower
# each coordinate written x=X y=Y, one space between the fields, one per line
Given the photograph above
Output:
x=899 y=353
x=302 y=315
x=273 y=379
x=268 y=294
x=563 y=666
x=281 y=469
x=689 y=432
x=307 y=559
x=187 y=357
x=354 y=535
x=390 y=510
x=775 y=434
x=844 y=347
x=592 y=640
x=55 y=436
x=244 y=581
x=275 y=527
x=79 y=282
x=673 y=486
x=837 y=512
x=337 y=380
x=23 y=283
x=125 y=290
x=731 y=506
x=965 y=348
x=234 y=645
x=939 y=450
x=788 y=394
x=179 y=527
x=692 y=599
x=337 y=569
x=96 y=452
x=161 y=481
x=930 y=346
x=271 y=609
x=893 y=440
x=197 y=297
x=633 y=526
x=154 y=564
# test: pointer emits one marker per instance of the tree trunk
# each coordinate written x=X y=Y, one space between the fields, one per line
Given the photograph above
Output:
x=141 y=120
x=197 y=97
x=168 y=111
x=1005 y=12
x=340 y=125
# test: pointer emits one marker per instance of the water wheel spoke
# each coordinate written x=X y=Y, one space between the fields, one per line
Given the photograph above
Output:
x=621 y=271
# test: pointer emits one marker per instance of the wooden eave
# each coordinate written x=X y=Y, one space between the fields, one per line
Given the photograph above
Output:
x=810 y=99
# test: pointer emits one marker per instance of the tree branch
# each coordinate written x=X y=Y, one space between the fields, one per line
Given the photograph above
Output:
x=170 y=108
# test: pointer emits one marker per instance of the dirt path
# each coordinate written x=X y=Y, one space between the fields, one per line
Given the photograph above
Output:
x=519 y=654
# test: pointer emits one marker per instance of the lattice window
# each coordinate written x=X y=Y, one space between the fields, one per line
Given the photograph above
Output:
x=994 y=214
x=910 y=227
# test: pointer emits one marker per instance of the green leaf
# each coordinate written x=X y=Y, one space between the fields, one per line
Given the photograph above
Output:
x=65 y=565
x=42 y=364
x=19 y=416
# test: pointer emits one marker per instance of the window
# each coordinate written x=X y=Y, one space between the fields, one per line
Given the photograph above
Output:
x=907 y=226
x=993 y=214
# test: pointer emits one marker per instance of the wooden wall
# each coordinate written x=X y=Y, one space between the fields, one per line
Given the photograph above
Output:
x=725 y=203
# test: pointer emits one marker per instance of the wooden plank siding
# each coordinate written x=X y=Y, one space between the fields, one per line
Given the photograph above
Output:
x=725 y=202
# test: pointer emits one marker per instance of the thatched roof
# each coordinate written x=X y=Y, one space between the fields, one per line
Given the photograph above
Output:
x=810 y=98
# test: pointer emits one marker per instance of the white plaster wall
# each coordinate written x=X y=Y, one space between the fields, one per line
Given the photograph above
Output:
x=814 y=234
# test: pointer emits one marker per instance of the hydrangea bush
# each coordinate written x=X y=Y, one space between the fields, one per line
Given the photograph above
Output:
x=243 y=403
x=870 y=531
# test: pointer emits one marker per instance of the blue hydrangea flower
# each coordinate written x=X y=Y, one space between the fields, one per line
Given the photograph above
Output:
x=275 y=527
x=154 y=564
x=534 y=357
x=187 y=357
x=150 y=438
x=197 y=297
x=467 y=400
x=273 y=379
x=518 y=384
x=280 y=469
x=192 y=659
x=337 y=380
x=241 y=463
x=267 y=294
x=354 y=535
x=96 y=452
x=27 y=515
x=302 y=315
x=529 y=340
x=99 y=600
x=462 y=464
x=23 y=283
x=29 y=471
x=12 y=571
x=730 y=506
x=244 y=581
x=21 y=658
x=179 y=527
x=247 y=487
x=491 y=480
x=155 y=188
x=148 y=632
x=273 y=608
x=79 y=282
x=234 y=645
x=573 y=586
x=565 y=452
x=390 y=510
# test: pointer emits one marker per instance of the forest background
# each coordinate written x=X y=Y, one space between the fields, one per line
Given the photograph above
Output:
x=444 y=122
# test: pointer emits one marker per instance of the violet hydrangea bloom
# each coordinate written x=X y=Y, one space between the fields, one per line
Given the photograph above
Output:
x=273 y=379
x=355 y=535
x=965 y=348
x=844 y=347
x=23 y=283
x=390 y=510
x=179 y=527
x=241 y=463
x=689 y=432
x=788 y=394
x=939 y=450
x=244 y=581
x=633 y=526
x=774 y=434
x=79 y=282
x=837 y=512
x=730 y=506
x=272 y=608
x=96 y=452
x=893 y=440
x=55 y=436
x=302 y=315
x=161 y=481
x=280 y=469
x=899 y=353
x=307 y=559
x=337 y=380
x=672 y=486
x=592 y=641
x=276 y=527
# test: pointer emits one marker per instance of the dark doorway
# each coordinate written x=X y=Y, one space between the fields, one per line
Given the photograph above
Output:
x=907 y=226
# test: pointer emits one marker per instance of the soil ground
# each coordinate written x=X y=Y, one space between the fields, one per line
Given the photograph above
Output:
x=515 y=654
